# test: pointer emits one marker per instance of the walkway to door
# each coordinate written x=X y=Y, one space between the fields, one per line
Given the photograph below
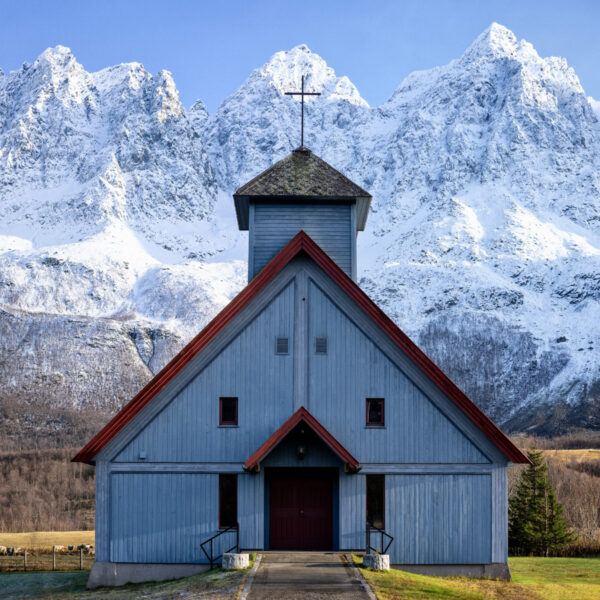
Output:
x=305 y=576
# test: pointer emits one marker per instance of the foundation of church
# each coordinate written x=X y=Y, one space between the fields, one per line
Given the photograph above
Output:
x=116 y=574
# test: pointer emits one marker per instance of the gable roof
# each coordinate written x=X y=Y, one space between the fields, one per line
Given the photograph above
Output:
x=301 y=243
x=301 y=176
x=301 y=415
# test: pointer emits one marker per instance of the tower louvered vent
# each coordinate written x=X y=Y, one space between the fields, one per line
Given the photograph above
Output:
x=283 y=345
x=321 y=345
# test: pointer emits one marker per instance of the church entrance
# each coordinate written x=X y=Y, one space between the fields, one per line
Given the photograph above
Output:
x=301 y=509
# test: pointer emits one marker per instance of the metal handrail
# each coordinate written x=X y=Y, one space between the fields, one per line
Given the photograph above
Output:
x=369 y=528
x=213 y=559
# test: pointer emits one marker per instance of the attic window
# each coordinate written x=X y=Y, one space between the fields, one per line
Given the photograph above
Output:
x=321 y=345
x=282 y=346
x=228 y=411
x=375 y=412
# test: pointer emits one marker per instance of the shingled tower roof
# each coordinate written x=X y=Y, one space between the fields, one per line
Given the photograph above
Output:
x=302 y=176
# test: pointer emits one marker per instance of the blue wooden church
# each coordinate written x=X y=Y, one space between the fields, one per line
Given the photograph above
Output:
x=300 y=417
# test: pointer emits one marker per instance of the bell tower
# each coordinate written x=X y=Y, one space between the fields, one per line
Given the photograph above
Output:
x=301 y=192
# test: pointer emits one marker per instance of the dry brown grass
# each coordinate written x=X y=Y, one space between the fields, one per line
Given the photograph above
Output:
x=575 y=440
x=44 y=540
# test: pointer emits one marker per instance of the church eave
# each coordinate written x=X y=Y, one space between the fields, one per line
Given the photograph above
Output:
x=242 y=205
x=301 y=415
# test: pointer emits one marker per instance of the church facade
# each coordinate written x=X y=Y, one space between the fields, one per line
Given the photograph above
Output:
x=300 y=418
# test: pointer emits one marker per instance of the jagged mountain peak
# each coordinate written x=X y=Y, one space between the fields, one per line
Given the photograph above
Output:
x=56 y=65
x=80 y=150
x=131 y=74
x=268 y=121
x=495 y=39
x=498 y=47
x=57 y=54
x=499 y=78
x=284 y=72
x=55 y=74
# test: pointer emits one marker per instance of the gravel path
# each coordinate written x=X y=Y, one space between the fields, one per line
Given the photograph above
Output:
x=305 y=576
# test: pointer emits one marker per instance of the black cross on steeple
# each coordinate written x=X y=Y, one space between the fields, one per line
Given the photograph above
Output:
x=302 y=93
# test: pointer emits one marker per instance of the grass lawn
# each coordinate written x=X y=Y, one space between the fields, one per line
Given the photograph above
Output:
x=533 y=579
x=46 y=539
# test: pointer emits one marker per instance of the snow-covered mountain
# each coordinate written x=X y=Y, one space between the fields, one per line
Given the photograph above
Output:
x=107 y=205
x=118 y=239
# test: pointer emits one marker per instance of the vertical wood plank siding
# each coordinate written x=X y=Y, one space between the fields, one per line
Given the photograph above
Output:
x=186 y=430
x=499 y=514
x=251 y=513
x=162 y=517
x=439 y=519
x=354 y=369
x=353 y=511
x=330 y=226
x=102 y=511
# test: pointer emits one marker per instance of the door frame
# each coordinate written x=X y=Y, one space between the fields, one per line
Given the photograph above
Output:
x=334 y=474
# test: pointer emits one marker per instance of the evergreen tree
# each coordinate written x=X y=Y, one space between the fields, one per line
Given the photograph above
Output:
x=535 y=518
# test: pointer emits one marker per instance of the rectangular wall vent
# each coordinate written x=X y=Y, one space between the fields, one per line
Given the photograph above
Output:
x=321 y=345
x=283 y=346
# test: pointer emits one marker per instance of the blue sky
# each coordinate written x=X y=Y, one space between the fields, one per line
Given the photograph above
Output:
x=211 y=46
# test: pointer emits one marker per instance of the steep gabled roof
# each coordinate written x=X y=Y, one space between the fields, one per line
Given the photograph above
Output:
x=301 y=243
x=302 y=176
x=301 y=416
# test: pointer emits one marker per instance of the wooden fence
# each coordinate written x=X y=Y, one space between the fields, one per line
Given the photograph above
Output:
x=56 y=558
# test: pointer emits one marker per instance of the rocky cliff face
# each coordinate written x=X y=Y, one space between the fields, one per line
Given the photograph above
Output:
x=118 y=240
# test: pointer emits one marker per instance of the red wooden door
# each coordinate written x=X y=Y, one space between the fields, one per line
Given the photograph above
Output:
x=301 y=513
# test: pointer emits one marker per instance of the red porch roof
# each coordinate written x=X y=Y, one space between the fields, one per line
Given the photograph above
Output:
x=301 y=243
x=301 y=415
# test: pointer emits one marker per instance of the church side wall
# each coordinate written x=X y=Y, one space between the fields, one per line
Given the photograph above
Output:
x=251 y=510
x=499 y=514
x=353 y=511
x=162 y=517
x=101 y=521
x=439 y=518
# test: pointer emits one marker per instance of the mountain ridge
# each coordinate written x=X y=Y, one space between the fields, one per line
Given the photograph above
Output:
x=117 y=225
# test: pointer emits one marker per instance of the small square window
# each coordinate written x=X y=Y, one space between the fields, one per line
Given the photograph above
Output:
x=375 y=412
x=283 y=346
x=321 y=345
x=228 y=411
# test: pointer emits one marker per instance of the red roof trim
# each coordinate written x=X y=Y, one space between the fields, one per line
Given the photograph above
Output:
x=300 y=243
x=301 y=415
